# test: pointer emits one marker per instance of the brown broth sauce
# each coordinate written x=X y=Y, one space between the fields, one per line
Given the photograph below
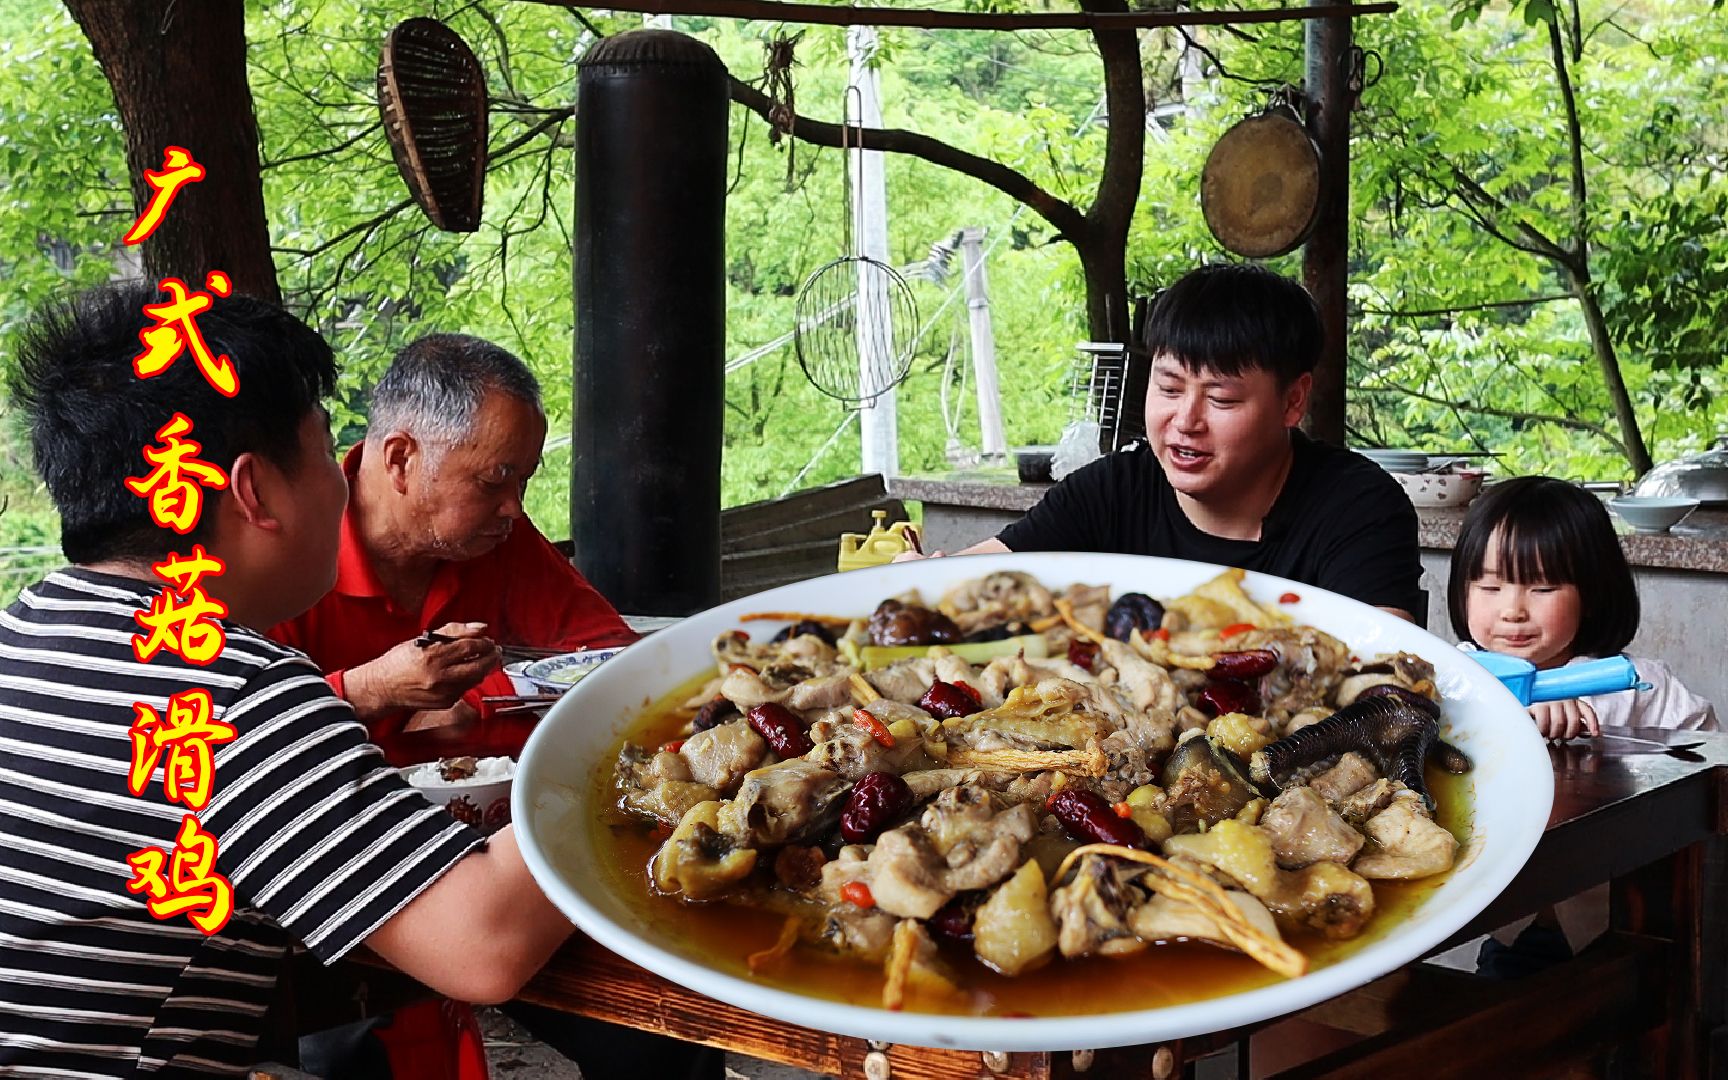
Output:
x=722 y=935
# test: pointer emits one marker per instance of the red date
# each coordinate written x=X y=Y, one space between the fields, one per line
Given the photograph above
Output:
x=781 y=728
x=1082 y=653
x=1227 y=697
x=953 y=920
x=878 y=801
x=1088 y=818
x=1246 y=664
x=945 y=701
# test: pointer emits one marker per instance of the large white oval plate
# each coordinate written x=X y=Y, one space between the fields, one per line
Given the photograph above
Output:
x=553 y=801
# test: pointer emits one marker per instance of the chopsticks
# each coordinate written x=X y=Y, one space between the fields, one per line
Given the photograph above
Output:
x=511 y=710
x=529 y=652
x=517 y=652
x=516 y=699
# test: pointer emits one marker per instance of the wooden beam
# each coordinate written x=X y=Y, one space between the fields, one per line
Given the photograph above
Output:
x=1326 y=256
x=791 y=12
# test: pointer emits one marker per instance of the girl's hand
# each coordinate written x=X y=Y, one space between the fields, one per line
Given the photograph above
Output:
x=1565 y=719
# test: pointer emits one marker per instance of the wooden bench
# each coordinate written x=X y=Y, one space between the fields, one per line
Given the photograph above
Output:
x=777 y=541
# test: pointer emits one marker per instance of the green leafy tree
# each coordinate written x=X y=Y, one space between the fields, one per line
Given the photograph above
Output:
x=1515 y=159
x=1458 y=340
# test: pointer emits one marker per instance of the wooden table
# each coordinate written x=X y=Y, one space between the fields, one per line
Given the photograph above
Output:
x=1647 y=999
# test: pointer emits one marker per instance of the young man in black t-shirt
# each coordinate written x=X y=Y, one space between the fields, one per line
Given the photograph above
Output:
x=1226 y=477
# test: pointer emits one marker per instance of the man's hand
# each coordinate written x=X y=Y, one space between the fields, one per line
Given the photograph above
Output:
x=436 y=733
x=411 y=676
x=1565 y=719
x=448 y=725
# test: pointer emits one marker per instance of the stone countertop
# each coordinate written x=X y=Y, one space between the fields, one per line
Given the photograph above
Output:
x=1700 y=543
x=977 y=490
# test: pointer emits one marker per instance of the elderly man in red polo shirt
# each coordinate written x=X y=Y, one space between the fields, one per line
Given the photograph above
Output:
x=435 y=538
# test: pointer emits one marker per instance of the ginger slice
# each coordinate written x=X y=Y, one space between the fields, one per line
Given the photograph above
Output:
x=796 y=617
x=862 y=691
x=1199 y=891
x=1091 y=761
x=1158 y=650
x=772 y=955
x=899 y=964
x=1065 y=611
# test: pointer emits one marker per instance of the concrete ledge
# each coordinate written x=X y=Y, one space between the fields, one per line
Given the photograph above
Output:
x=972 y=503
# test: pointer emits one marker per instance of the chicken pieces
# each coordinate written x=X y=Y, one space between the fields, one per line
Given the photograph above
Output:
x=974 y=843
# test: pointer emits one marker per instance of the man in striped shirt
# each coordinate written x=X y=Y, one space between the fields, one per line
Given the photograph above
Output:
x=321 y=841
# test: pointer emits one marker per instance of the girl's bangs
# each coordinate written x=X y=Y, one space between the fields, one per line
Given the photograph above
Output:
x=1530 y=554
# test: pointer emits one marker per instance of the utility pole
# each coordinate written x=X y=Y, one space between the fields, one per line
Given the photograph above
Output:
x=878 y=421
x=995 y=447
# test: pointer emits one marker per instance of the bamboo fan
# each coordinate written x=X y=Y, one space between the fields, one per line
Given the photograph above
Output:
x=432 y=96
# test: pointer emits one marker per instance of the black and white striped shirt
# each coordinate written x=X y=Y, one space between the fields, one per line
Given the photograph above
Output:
x=321 y=840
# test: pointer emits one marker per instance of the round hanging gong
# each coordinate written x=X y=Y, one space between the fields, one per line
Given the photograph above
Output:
x=1260 y=189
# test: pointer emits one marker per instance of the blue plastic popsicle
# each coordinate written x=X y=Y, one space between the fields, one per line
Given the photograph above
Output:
x=1609 y=675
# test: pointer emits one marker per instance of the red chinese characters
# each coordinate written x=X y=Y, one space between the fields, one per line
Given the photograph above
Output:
x=185 y=738
x=175 y=486
x=176 y=331
x=178 y=170
x=184 y=881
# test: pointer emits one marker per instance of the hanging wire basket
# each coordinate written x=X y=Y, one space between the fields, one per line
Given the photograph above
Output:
x=856 y=321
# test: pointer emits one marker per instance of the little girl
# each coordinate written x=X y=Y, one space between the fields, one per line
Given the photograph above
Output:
x=1538 y=573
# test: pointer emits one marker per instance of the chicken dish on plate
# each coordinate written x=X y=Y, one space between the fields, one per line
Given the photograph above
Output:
x=952 y=791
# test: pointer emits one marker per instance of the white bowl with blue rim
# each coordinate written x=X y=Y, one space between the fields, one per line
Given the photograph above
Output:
x=556 y=674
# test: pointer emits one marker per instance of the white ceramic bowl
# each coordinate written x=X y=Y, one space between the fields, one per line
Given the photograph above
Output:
x=555 y=806
x=1440 y=489
x=1652 y=513
x=480 y=801
x=519 y=680
x=556 y=674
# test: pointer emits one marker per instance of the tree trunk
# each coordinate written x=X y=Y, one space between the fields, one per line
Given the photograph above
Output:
x=1326 y=256
x=178 y=72
x=1103 y=248
x=1631 y=438
x=1103 y=262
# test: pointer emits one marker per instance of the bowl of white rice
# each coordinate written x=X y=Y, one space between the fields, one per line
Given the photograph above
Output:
x=472 y=790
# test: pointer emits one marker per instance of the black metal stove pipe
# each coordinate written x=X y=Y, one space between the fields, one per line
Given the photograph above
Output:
x=649 y=373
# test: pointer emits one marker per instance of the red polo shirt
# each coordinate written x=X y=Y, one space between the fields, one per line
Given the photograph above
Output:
x=524 y=590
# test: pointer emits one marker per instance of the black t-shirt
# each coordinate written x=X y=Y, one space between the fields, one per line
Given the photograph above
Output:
x=1341 y=523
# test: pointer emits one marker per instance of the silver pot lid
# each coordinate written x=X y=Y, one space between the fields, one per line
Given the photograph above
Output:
x=1702 y=476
